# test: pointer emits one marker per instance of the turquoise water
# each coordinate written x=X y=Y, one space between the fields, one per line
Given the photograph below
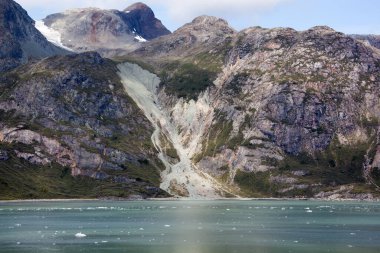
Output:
x=190 y=226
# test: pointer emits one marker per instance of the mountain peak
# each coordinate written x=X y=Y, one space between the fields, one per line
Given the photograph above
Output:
x=322 y=29
x=207 y=25
x=138 y=6
x=209 y=20
x=106 y=31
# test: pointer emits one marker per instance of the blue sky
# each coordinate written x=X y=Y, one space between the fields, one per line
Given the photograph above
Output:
x=348 y=16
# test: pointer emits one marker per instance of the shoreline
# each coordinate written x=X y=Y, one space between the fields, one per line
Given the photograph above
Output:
x=188 y=199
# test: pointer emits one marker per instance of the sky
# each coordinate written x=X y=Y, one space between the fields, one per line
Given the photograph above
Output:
x=348 y=16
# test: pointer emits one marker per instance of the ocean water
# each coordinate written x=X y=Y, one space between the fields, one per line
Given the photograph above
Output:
x=190 y=226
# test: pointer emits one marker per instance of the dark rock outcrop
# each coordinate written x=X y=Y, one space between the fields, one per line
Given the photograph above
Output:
x=4 y=155
x=20 y=40
x=140 y=17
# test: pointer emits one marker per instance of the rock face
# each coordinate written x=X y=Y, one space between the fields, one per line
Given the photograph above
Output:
x=284 y=113
x=372 y=40
x=20 y=40
x=3 y=155
x=204 y=32
x=140 y=18
x=257 y=113
x=72 y=112
x=109 y=32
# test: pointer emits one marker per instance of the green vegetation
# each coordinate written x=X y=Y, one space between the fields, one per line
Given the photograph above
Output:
x=255 y=184
x=337 y=165
x=218 y=136
x=168 y=147
x=238 y=80
x=269 y=161
x=188 y=80
x=194 y=74
x=239 y=140
x=370 y=123
x=143 y=172
x=22 y=180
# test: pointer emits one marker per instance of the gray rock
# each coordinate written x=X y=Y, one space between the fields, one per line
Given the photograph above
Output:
x=20 y=40
x=4 y=155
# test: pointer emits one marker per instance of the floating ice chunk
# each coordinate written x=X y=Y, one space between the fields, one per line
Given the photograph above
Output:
x=80 y=235
x=141 y=229
x=18 y=243
x=167 y=226
x=309 y=211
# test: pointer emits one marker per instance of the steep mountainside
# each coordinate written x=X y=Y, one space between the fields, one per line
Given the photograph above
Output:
x=203 y=112
x=19 y=39
x=107 y=31
x=69 y=116
x=372 y=40
x=273 y=112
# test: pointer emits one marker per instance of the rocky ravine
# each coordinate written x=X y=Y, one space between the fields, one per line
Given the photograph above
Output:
x=278 y=112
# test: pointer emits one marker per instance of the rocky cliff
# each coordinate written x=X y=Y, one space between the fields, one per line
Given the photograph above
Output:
x=110 y=32
x=19 y=39
x=273 y=112
x=68 y=129
x=208 y=112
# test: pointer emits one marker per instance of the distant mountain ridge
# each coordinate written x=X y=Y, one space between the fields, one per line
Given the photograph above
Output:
x=370 y=39
x=106 y=31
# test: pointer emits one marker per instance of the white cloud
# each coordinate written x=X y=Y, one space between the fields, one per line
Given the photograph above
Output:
x=170 y=11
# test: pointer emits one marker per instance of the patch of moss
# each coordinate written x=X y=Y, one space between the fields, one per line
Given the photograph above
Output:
x=255 y=184
x=218 y=136
x=168 y=147
x=237 y=81
x=22 y=180
x=188 y=80
x=269 y=161
x=337 y=165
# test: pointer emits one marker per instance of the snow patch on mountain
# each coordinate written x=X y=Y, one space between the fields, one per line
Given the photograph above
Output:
x=140 y=39
x=50 y=34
